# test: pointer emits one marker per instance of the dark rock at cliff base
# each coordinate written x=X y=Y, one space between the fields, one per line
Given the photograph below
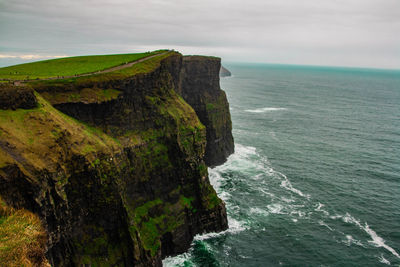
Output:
x=200 y=88
x=13 y=97
x=223 y=72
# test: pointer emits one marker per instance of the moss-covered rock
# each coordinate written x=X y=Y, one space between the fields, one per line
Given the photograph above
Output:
x=13 y=97
x=117 y=181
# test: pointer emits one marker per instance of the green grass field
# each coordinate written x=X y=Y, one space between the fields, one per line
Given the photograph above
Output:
x=68 y=66
x=86 y=81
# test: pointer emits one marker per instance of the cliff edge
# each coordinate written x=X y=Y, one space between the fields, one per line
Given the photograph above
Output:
x=113 y=164
x=200 y=88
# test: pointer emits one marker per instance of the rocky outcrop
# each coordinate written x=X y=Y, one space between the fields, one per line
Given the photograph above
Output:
x=120 y=180
x=224 y=72
x=13 y=97
x=200 y=88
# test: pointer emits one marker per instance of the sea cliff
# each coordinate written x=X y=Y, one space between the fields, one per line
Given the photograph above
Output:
x=200 y=88
x=114 y=164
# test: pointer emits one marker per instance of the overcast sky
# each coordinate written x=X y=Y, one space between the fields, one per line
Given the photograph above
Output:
x=364 y=33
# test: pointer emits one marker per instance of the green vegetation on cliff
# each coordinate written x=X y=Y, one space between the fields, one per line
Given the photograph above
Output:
x=40 y=132
x=86 y=95
x=69 y=66
x=145 y=66
x=121 y=180
x=89 y=89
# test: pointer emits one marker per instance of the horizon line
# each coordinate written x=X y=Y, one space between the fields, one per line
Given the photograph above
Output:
x=313 y=65
x=35 y=58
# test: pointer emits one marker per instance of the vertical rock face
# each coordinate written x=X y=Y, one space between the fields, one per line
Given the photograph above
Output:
x=129 y=185
x=200 y=88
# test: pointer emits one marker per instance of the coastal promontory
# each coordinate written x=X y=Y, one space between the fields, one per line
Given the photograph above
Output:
x=113 y=161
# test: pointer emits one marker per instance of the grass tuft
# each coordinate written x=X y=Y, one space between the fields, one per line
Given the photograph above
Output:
x=22 y=238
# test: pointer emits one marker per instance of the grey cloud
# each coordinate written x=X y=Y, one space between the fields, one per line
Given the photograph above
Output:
x=337 y=32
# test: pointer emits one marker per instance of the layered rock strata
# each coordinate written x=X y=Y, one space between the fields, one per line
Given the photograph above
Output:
x=113 y=164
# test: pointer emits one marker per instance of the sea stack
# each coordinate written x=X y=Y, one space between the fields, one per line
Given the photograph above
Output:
x=224 y=72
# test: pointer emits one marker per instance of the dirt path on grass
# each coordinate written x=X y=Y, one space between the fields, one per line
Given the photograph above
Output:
x=119 y=67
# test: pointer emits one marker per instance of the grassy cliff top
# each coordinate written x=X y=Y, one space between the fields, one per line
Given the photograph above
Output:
x=145 y=65
x=69 y=66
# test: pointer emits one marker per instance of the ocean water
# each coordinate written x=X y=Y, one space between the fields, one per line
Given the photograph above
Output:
x=315 y=179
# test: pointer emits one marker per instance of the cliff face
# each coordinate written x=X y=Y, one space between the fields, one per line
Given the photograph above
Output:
x=200 y=88
x=128 y=186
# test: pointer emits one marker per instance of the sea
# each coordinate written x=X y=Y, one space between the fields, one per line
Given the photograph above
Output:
x=315 y=177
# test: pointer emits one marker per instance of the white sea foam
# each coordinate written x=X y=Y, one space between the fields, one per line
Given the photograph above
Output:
x=265 y=192
x=239 y=161
x=376 y=240
x=201 y=237
x=235 y=226
x=215 y=178
x=262 y=110
x=243 y=160
x=178 y=260
x=275 y=208
x=324 y=224
x=258 y=211
x=351 y=240
x=334 y=217
x=379 y=241
x=383 y=260
x=299 y=213
x=319 y=208
x=244 y=150
x=287 y=200
x=288 y=185
x=320 y=205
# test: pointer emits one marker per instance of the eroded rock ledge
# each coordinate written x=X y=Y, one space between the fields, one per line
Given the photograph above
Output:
x=121 y=179
x=13 y=97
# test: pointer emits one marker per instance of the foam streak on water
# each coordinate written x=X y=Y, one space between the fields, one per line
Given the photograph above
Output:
x=383 y=260
x=376 y=240
x=262 y=110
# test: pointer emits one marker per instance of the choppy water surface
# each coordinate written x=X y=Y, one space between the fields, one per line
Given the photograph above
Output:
x=315 y=179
